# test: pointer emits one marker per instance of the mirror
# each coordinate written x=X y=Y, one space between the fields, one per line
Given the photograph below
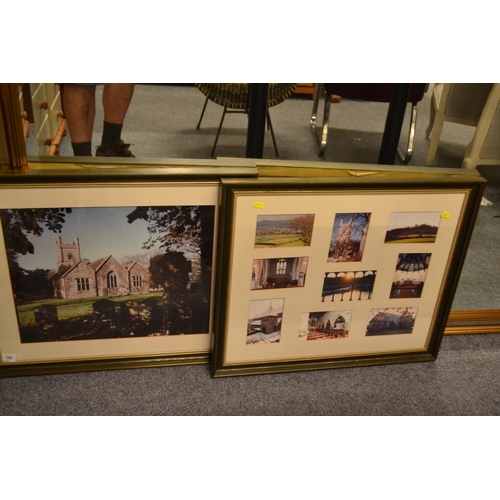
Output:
x=166 y=121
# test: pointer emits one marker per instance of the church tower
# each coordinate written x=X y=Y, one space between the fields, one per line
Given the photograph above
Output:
x=67 y=254
x=345 y=232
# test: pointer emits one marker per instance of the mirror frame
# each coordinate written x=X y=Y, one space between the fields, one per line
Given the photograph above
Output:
x=16 y=159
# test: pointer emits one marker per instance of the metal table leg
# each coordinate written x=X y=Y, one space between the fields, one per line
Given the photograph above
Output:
x=394 y=123
x=256 y=119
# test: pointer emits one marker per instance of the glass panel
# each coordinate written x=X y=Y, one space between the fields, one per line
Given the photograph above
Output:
x=165 y=121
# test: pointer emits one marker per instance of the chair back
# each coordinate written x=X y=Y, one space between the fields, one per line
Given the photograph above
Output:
x=465 y=101
x=236 y=95
x=373 y=92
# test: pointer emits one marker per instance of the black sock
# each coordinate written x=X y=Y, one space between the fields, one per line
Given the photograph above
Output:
x=82 y=148
x=111 y=133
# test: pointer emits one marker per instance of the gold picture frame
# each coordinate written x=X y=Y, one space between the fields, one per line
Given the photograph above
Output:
x=122 y=277
x=360 y=289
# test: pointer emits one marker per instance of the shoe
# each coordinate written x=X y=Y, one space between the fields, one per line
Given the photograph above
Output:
x=120 y=148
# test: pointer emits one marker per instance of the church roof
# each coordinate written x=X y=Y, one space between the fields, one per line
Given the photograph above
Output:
x=135 y=264
x=64 y=272
x=269 y=312
x=98 y=263
x=384 y=316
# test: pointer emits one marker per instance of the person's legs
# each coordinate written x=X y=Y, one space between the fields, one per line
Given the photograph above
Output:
x=79 y=111
x=116 y=99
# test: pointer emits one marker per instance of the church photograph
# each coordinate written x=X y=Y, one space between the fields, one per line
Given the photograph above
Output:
x=325 y=325
x=285 y=272
x=76 y=278
x=110 y=272
x=391 y=321
x=264 y=321
x=349 y=235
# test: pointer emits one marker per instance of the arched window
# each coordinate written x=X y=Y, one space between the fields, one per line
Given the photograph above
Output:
x=112 y=280
x=281 y=266
x=339 y=323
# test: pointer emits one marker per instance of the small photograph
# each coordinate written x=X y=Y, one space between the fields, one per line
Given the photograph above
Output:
x=348 y=285
x=413 y=227
x=325 y=325
x=391 y=321
x=264 y=321
x=284 y=230
x=411 y=271
x=348 y=237
x=287 y=272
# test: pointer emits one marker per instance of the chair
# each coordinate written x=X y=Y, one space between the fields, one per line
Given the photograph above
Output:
x=484 y=149
x=456 y=103
x=234 y=97
x=373 y=92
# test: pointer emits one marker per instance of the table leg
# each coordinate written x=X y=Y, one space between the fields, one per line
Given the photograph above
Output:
x=256 y=119
x=394 y=123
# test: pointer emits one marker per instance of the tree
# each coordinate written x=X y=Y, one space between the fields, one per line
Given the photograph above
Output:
x=17 y=224
x=304 y=225
x=171 y=271
x=180 y=229
x=174 y=228
x=37 y=284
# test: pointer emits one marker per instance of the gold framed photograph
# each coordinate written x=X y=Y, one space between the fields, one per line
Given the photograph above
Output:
x=338 y=272
x=106 y=270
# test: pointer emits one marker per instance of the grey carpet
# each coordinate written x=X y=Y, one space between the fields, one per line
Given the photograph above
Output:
x=463 y=381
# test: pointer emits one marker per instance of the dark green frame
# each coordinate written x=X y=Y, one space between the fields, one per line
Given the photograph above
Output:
x=122 y=176
x=451 y=179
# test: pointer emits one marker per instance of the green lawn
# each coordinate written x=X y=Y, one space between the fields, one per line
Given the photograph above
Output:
x=71 y=309
x=279 y=240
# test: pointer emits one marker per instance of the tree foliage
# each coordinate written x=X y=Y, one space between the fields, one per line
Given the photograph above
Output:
x=304 y=224
x=17 y=224
x=32 y=284
x=170 y=268
x=174 y=229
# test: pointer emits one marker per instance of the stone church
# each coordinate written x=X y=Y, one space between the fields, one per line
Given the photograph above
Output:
x=78 y=278
x=347 y=249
